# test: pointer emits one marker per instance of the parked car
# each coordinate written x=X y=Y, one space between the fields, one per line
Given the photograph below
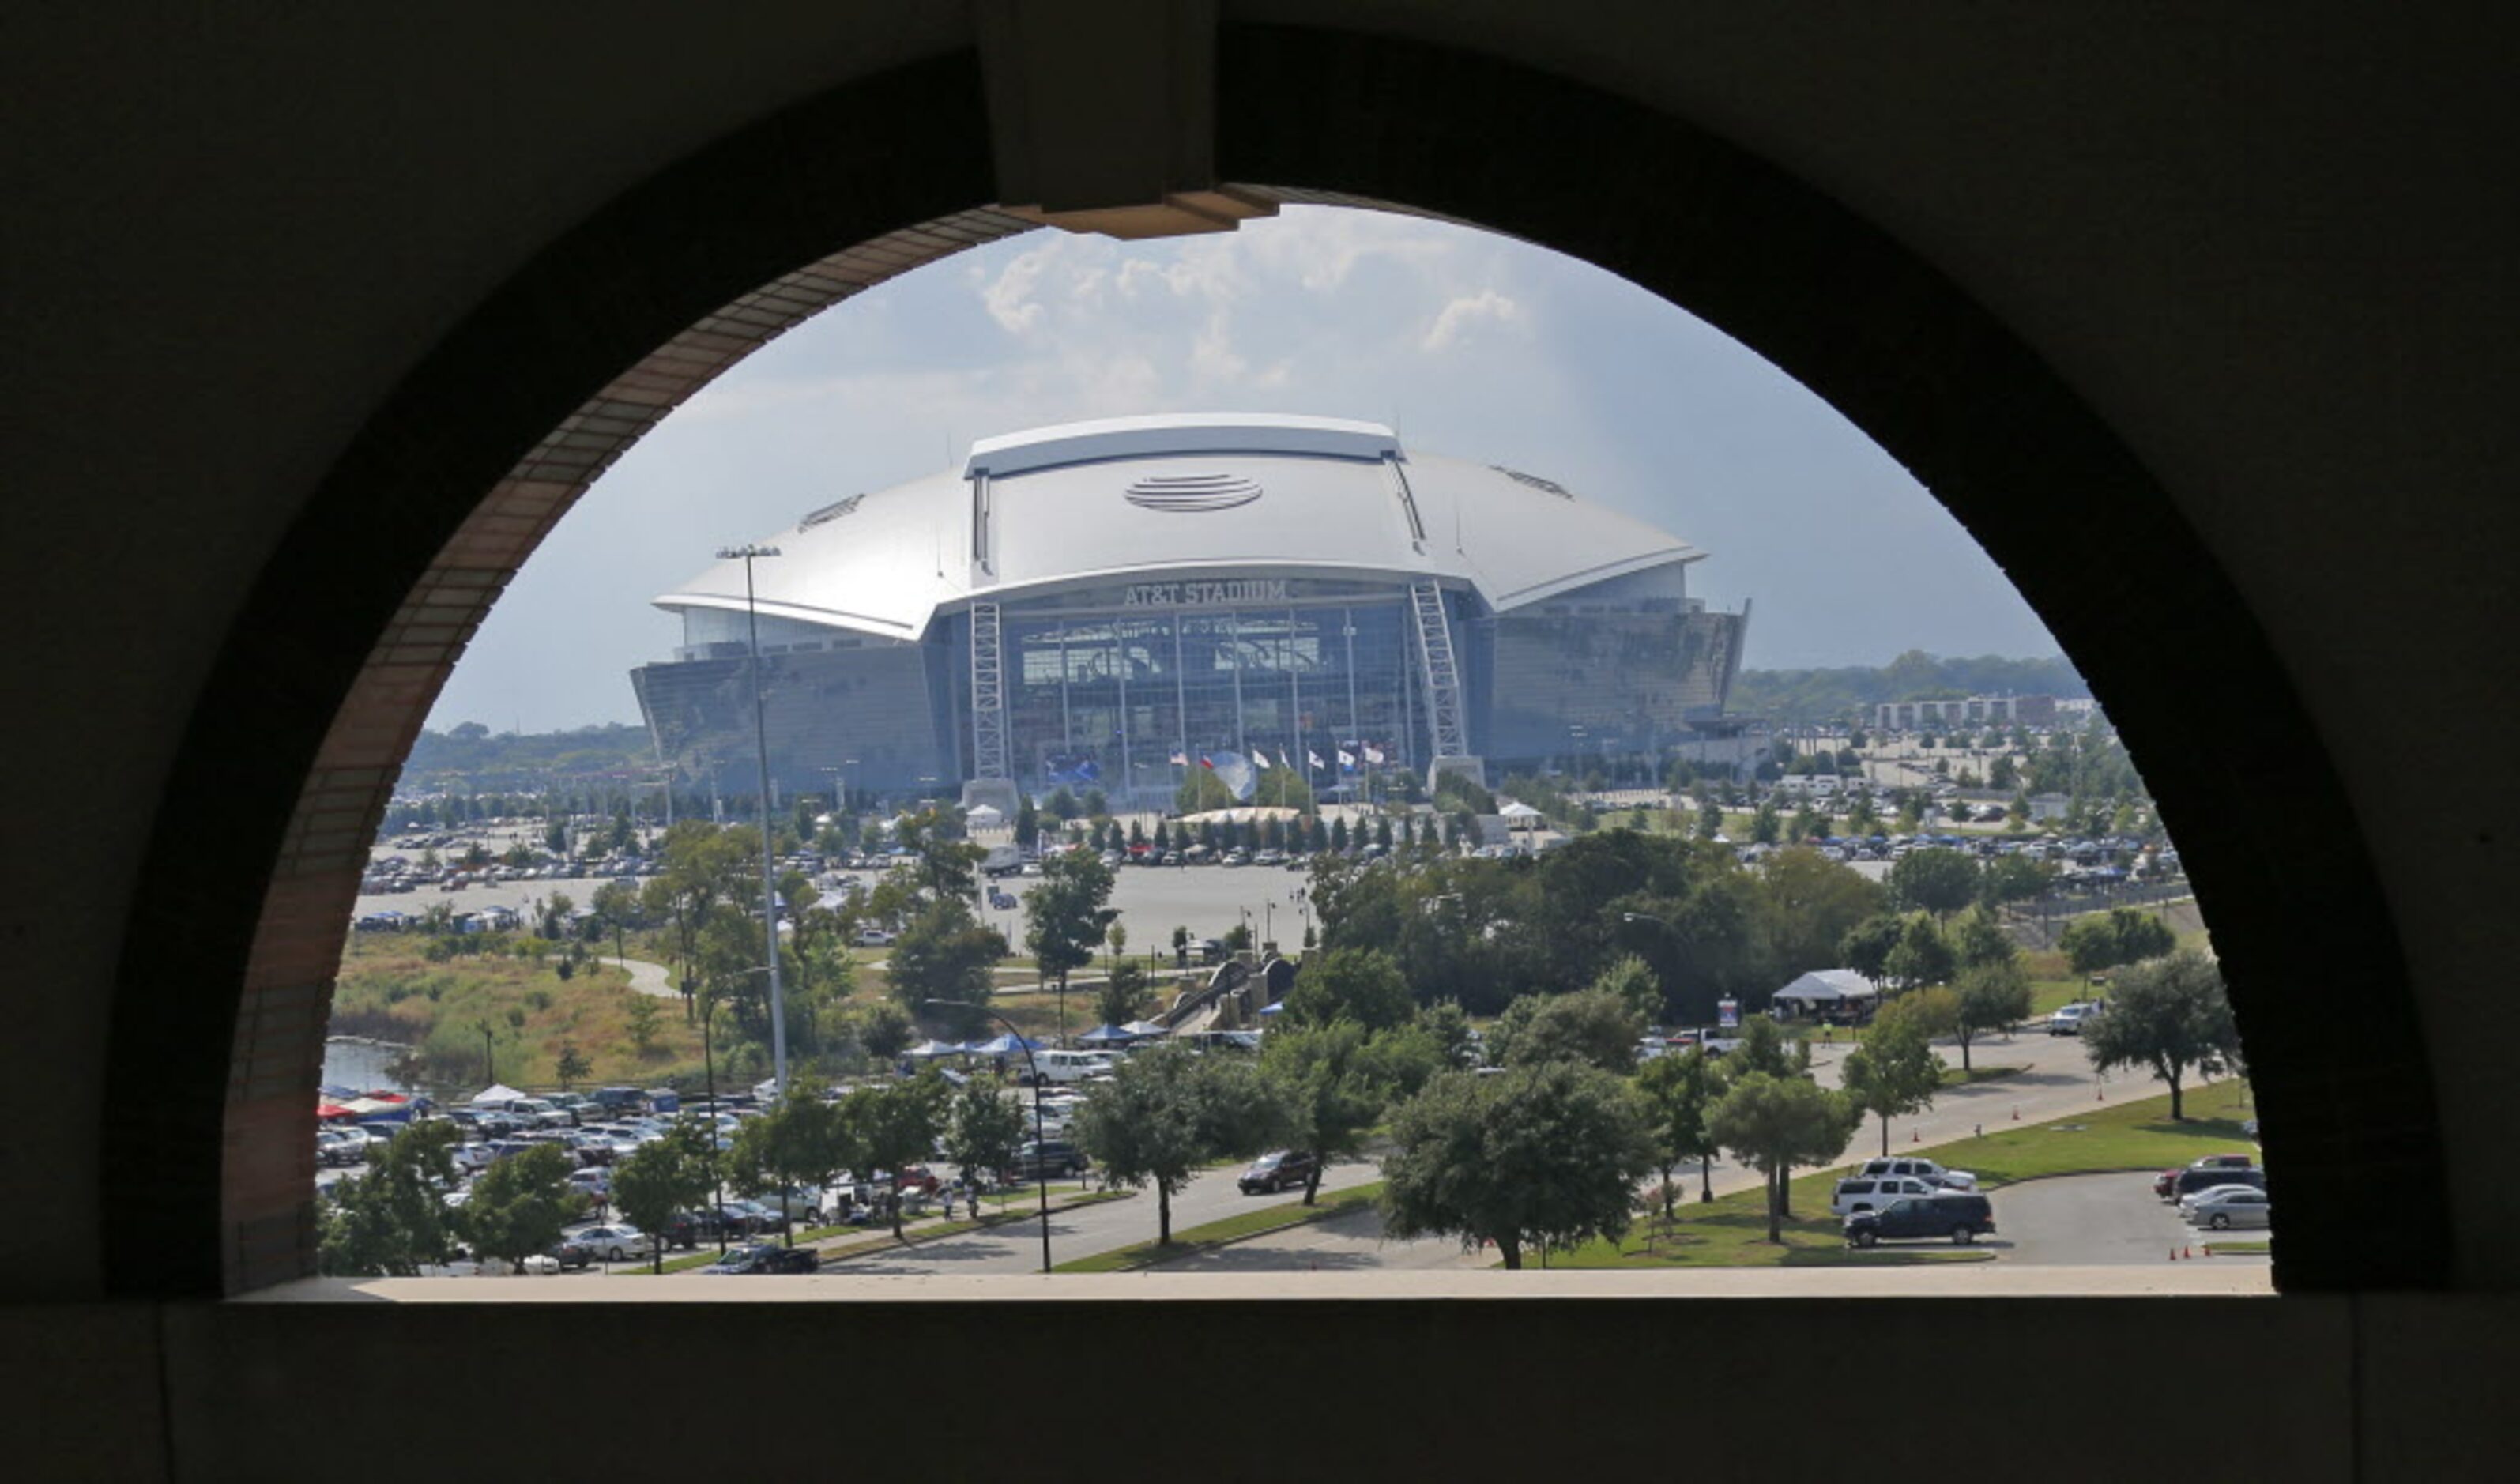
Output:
x=1925 y=1170
x=609 y=1244
x=2068 y=1020
x=1866 y=1193
x=2161 y=1182
x=1961 y=1216
x=2227 y=1206
x=765 y=1258
x=872 y=937
x=341 y=1146
x=593 y=1182
x=1278 y=1171
x=1054 y=1157
x=689 y=1229
x=2188 y=1182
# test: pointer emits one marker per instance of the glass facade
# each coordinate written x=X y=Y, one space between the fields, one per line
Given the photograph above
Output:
x=1103 y=688
x=1104 y=697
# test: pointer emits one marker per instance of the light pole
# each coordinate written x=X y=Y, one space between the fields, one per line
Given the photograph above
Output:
x=1040 y=1164
x=751 y=553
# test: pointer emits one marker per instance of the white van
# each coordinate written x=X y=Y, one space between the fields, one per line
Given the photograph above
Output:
x=1071 y=1066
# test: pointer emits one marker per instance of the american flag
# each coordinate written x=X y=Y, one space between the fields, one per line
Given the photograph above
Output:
x=1180 y=761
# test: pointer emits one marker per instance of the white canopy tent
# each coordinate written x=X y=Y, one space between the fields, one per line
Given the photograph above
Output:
x=1829 y=989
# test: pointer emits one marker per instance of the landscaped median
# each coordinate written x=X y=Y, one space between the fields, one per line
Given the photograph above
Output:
x=915 y=1229
x=1733 y=1230
x=1209 y=1235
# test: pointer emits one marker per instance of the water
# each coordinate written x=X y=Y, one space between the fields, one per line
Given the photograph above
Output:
x=362 y=1067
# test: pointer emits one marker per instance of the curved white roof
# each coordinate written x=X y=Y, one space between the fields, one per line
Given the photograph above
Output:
x=1094 y=504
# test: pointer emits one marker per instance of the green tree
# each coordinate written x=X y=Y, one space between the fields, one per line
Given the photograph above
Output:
x=945 y=953
x=571 y=1066
x=1939 y=881
x=2124 y=937
x=1027 y=824
x=1710 y=819
x=1169 y=1110
x=1774 y=1124
x=1978 y=938
x=1806 y=905
x=886 y=1030
x=1123 y=997
x=519 y=1204
x=1331 y=1096
x=392 y=1219
x=643 y=1015
x=1679 y=1091
x=663 y=1178
x=984 y=1130
x=2165 y=1014
x=893 y=1125
x=1923 y=956
x=1991 y=996
x=1633 y=983
x=1359 y=985
x=1868 y=945
x=801 y=1144
x=1545 y=1154
x=617 y=911
x=1591 y=1026
x=1067 y=916
x=1893 y=1073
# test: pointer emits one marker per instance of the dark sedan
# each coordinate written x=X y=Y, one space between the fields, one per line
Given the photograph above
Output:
x=765 y=1259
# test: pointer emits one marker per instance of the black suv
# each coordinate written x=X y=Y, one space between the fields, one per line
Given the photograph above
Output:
x=1270 y=1173
x=1961 y=1217
x=1054 y=1157
x=2190 y=1182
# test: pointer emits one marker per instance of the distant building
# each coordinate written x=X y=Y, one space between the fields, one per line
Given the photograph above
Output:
x=1976 y=711
x=1111 y=604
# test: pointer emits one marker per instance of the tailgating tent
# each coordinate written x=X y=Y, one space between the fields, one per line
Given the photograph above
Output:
x=1144 y=1029
x=1008 y=1045
x=1107 y=1034
x=928 y=1049
x=1271 y=1009
x=985 y=817
x=497 y=1092
x=1518 y=811
x=1827 y=988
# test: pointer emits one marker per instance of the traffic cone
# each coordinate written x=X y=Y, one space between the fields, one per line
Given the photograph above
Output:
x=2174 y=1254
x=2184 y=1253
x=2017 y=1115
x=1915 y=1138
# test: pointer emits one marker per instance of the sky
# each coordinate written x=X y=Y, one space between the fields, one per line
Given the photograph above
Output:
x=1466 y=343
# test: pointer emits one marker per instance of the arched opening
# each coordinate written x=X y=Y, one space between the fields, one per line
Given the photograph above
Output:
x=293 y=747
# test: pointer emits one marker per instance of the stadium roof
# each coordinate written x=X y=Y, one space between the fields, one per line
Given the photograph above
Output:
x=1164 y=498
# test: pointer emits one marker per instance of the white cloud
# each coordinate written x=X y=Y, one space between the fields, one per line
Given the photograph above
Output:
x=1457 y=315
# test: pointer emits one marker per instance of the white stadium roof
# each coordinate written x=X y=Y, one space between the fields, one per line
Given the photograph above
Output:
x=1098 y=504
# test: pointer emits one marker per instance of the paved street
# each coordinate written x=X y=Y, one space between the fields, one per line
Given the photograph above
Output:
x=2086 y=1220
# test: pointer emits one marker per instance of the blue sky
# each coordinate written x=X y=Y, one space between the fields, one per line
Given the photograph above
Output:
x=1470 y=343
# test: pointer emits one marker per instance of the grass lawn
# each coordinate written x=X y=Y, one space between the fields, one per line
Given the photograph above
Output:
x=1216 y=1234
x=1733 y=1232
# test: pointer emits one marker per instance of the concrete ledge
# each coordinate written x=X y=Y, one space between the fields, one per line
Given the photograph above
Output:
x=2221 y=1277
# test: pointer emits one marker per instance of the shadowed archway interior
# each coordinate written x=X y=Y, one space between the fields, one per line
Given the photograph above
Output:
x=327 y=673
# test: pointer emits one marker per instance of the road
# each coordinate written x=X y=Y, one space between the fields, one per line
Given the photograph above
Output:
x=1015 y=1247
x=2087 y=1220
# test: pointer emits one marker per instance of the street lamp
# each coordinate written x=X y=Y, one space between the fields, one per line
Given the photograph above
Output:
x=1040 y=1165
x=749 y=552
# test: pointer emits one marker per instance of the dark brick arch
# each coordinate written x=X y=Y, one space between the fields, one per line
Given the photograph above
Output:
x=295 y=745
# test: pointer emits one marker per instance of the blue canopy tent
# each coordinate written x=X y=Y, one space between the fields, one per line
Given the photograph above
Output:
x=1009 y=1045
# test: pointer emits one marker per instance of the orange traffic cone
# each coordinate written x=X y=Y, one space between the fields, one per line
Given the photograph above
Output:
x=2184 y=1253
x=2174 y=1254
x=1915 y=1138
x=2017 y=1115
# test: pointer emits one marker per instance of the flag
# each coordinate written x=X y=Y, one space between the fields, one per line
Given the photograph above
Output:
x=1289 y=763
x=1347 y=759
x=1314 y=758
x=1374 y=754
x=1180 y=761
x=1260 y=756
x=1206 y=762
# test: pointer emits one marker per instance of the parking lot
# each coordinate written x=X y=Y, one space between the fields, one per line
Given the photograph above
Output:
x=2096 y=1220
